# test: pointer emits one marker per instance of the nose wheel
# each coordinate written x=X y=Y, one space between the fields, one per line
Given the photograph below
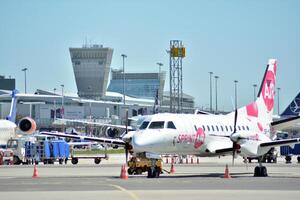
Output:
x=260 y=171
x=154 y=171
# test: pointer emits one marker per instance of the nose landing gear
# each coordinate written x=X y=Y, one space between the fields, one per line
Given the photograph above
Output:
x=154 y=171
x=260 y=171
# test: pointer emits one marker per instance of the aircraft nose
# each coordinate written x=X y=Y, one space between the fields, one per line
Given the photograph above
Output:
x=142 y=142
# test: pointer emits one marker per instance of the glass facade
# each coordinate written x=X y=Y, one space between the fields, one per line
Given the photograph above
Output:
x=141 y=88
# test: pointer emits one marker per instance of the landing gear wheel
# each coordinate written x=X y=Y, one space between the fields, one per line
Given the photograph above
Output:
x=263 y=171
x=74 y=161
x=153 y=173
x=260 y=171
x=97 y=160
x=138 y=171
x=150 y=173
x=156 y=172
x=16 y=160
x=61 y=161
x=130 y=171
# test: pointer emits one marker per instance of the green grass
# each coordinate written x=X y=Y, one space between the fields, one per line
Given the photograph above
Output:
x=96 y=151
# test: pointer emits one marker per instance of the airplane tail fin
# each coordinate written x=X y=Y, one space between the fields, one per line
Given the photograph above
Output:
x=293 y=108
x=261 y=111
x=13 y=107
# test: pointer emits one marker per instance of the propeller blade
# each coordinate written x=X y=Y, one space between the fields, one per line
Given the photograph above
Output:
x=235 y=120
x=126 y=153
x=233 y=156
x=126 y=131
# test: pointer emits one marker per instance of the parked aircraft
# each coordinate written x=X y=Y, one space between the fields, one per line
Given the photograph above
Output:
x=247 y=131
x=8 y=126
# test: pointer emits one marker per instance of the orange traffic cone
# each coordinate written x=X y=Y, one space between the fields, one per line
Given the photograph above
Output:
x=124 y=174
x=172 y=170
x=35 y=172
x=227 y=175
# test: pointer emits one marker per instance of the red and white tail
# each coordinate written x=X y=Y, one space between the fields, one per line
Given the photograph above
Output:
x=261 y=111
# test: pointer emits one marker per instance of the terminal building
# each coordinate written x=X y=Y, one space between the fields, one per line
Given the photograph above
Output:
x=138 y=85
x=7 y=83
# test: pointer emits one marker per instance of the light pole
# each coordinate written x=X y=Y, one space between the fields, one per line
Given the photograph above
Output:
x=235 y=93
x=278 y=89
x=62 y=101
x=254 y=91
x=216 y=85
x=124 y=56
x=159 y=89
x=24 y=70
x=54 y=90
x=210 y=90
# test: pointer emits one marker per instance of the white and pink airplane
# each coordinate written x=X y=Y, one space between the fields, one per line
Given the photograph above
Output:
x=246 y=132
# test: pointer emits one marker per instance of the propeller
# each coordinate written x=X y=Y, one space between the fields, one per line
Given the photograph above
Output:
x=127 y=145
x=234 y=142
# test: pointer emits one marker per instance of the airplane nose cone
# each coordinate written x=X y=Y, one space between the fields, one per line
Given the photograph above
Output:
x=142 y=142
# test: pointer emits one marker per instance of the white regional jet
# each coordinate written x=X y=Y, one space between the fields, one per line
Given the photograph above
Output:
x=8 y=126
x=246 y=132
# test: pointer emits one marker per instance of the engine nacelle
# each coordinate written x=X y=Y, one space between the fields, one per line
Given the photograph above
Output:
x=27 y=125
x=112 y=132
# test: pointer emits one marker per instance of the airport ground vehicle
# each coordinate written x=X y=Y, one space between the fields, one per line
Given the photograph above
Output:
x=270 y=157
x=46 y=150
x=6 y=157
x=288 y=152
x=139 y=165
x=88 y=154
x=17 y=146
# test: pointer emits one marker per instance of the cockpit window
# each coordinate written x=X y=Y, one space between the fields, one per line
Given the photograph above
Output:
x=144 y=125
x=171 y=125
x=157 y=125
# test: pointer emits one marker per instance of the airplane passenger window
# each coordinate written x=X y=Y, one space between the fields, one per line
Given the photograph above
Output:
x=247 y=128
x=212 y=128
x=226 y=128
x=243 y=127
x=208 y=128
x=157 y=125
x=239 y=127
x=217 y=128
x=222 y=128
x=171 y=125
x=144 y=125
x=203 y=127
x=230 y=128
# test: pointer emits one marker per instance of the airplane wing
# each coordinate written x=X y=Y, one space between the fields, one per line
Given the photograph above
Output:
x=277 y=143
x=94 y=123
x=101 y=140
x=289 y=124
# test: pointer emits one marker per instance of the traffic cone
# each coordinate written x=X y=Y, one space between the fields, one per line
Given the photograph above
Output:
x=35 y=172
x=124 y=174
x=172 y=170
x=227 y=175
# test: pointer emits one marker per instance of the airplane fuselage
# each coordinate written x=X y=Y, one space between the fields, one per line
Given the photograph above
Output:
x=200 y=135
x=7 y=131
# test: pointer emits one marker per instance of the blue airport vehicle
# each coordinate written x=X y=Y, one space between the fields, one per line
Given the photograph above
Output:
x=47 y=151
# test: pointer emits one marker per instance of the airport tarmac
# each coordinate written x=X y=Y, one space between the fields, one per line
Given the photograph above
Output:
x=192 y=181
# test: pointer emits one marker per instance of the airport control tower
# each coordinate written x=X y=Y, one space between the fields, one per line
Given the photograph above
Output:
x=91 y=66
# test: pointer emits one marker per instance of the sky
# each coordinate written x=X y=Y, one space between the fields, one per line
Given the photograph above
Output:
x=232 y=38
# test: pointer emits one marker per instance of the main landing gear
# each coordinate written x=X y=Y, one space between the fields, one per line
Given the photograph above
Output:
x=153 y=171
x=260 y=171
